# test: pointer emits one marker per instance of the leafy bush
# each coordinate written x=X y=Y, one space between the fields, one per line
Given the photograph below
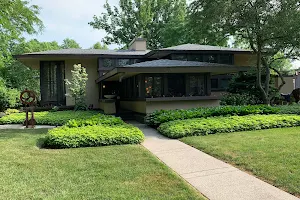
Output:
x=11 y=111
x=158 y=117
x=8 y=97
x=195 y=127
x=48 y=118
x=239 y=100
x=289 y=109
x=95 y=120
x=92 y=136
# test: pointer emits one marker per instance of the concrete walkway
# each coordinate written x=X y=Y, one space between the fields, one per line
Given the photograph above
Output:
x=16 y=127
x=213 y=178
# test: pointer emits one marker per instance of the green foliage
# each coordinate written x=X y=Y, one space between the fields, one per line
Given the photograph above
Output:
x=158 y=117
x=289 y=109
x=268 y=27
x=195 y=127
x=49 y=118
x=98 y=45
x=92 y=136
x=11 y=111
x=77 y=86
x=16 y=17
x=70 y=44
x=161 y=22
x=9 y=98
x=99 y=119
x=239 y=100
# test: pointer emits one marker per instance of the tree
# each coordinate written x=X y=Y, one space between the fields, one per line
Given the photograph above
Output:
x=77 y=87
x=70 y=44
x=98 y=45
x=16 y=17
x=267 y=26
x=161 y=22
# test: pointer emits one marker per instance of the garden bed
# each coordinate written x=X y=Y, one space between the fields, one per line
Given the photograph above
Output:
x=213 y=125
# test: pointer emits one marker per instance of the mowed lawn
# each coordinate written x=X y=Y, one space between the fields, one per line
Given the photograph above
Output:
x=116 y=172
x=273 y=155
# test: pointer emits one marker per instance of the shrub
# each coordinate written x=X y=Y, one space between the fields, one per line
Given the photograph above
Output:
x=195 y=127
x=48 y=118
x=8 y=97
x=158 y=117
x=99 y=119
x=92 y=136
x=289 y=109
x=11 y=111
x=238 y=100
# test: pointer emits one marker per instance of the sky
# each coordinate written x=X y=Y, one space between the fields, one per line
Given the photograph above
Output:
x=69 y=19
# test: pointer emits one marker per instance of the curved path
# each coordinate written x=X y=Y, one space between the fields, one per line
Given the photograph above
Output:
x=215 y=179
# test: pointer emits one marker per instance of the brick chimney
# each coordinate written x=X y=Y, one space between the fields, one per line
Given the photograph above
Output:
x=138 y=44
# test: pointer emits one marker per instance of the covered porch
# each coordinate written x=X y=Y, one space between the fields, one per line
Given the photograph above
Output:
x=161 y=84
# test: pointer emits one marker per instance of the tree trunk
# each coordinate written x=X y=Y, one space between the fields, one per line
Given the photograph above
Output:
x=265 y=98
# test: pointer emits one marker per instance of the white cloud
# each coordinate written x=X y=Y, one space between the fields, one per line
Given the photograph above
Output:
x=69 y=18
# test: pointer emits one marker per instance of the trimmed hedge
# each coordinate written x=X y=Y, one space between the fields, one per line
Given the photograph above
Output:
x=92 y=136
x=158 y=117
x=99 y=119
x=289 y=109
x=195 y=127
x=49 y=118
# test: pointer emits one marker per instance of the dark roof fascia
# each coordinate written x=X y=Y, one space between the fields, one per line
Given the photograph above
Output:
x=77 y=55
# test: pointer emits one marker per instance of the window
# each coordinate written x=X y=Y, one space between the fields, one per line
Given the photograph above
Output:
x=179 y=57
x=107 y=63
x=211 y=58
x=197 y=85
x=153 y=86
x=123 y=62
x=214 y=83
x=226 y=59
x=195 y=57
x=176 y=85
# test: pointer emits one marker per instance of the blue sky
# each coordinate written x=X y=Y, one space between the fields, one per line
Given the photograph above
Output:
x=69 y=18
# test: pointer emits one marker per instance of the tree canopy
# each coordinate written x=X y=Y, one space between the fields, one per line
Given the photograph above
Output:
x=161 y=22
x=70 y=44
x=268 y=27
x=98 y=45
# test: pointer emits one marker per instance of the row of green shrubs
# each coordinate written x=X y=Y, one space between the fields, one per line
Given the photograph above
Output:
x=49 y=118
x=92 y=136
x=213 y=125
x=158 y=117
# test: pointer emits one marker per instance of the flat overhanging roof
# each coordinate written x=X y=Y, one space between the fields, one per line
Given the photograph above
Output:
x=169 y=66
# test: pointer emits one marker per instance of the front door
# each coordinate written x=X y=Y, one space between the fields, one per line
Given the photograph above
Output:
x=52 y=75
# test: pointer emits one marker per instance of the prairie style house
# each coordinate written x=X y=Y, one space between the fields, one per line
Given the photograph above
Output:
x=183 y=76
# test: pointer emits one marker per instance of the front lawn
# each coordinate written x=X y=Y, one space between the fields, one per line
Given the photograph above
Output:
x=116 y=172
x=273 y=155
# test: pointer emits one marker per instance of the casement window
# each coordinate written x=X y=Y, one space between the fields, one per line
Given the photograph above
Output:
x=153 y=86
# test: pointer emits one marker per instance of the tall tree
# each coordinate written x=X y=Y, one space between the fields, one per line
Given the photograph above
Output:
x=16 y=17
x=70 y=44
x=267 y=26
x=98 y=45
x=161 y=22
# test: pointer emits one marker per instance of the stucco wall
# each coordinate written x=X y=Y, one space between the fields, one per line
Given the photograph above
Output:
x=172 y=105
x=244 y=60
x=91 y=67
x=136 y=106
x=289 y=85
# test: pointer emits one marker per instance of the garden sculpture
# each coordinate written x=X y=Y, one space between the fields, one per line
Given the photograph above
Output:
x=28 y=98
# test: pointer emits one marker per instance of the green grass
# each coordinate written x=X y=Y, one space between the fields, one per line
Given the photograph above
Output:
x=273 y=155
x=118 y=172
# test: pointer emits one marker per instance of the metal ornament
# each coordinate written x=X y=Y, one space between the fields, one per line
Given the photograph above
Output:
x=28 y=98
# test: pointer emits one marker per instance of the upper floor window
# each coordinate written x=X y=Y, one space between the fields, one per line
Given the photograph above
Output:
x=123 y=62
x=107 y=63
x=222 y=58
